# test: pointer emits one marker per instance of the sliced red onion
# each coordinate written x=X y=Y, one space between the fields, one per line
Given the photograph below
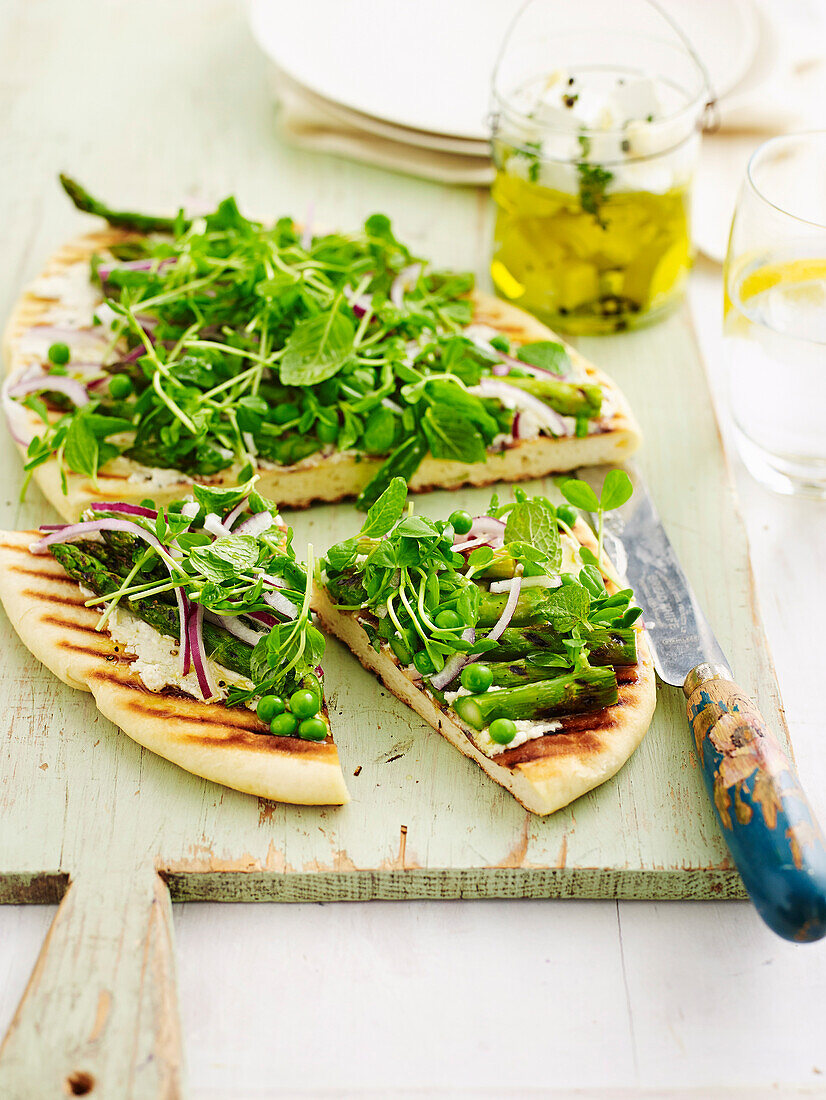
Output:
x=263 y=617
x=484 y=531
x=455 y=664
x=190 y=510
x=184 y=611
x=487 y=525
x=472 y=545
x=255 y=525
x=234 y=626
x=507 y=612
x=214 y=525
x=195 y=634
x=509 y=396
x=68 y=335
x=15 y=412
x=406 y=278
x=54 y=383
x=527 y=582
x=515 y=425
x=120 y=506
x=281 y=604
x=71 y=531
x=234 y=514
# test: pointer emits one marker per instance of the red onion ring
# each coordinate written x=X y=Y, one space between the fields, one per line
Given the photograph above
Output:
x=455 y=664
x=56 y=383
x=120 y=506
x=548 y=417
x=255 y=525
x=508 y=610
x=195 y=635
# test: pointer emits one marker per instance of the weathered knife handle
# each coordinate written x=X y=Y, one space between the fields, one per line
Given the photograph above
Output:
x=765 y=817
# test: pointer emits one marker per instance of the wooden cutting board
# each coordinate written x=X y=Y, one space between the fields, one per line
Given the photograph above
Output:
x=94 y=820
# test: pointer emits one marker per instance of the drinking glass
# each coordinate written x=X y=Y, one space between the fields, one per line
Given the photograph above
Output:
x=596 y=120
x=775 y=315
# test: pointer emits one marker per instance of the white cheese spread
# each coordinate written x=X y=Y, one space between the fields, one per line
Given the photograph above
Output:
x=157 y=657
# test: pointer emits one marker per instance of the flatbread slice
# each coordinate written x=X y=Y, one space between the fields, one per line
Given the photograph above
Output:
x=229 y=745
x=62 y=297
x=544 y=773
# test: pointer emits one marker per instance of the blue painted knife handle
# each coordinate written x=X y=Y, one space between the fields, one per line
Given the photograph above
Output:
x=767 y=823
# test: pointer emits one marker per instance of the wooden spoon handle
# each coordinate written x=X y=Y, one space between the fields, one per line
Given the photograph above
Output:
x=765 y=817
x=99 y=1015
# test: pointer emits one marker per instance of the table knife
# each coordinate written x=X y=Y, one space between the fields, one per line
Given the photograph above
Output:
x=765 y=817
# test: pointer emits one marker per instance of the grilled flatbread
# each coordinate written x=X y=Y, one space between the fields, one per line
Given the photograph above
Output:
x=229 y=745
x=63 y=296
x=548 y=772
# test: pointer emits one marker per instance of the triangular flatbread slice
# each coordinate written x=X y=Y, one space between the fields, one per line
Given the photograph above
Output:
x=62 y=297
x=545 y=772
x=229 y=745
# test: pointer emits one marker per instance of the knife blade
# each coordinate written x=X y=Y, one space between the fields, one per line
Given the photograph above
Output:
x=765 y=817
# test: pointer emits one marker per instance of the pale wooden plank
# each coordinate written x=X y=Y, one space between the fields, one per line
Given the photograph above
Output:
x=99 y=1015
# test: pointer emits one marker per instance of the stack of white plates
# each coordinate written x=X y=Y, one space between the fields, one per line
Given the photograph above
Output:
x=405 y=84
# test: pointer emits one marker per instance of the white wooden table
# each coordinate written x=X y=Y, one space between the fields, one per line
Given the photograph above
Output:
x=153 y=101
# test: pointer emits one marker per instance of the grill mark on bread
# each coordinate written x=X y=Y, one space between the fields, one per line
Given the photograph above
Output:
x=63 y=601
x=43 y=574
x=71 y=624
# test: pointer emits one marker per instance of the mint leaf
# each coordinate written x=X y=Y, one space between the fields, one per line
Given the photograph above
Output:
x=226 y=557
x=387 y=510
x=567 y=606
x=547 y=355
x=452 y=437
x=317 y=349
x=534 y=522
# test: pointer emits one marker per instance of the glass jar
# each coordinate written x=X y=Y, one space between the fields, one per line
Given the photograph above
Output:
x=595 y=140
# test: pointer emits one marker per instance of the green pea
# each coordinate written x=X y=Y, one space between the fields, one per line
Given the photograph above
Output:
x=269 y=706
x=313 y=729
x=461 y=522
x=502 y=731
x=284 y=725
x=327 y=432
x=59 y=354
x=476 y=678
x=120 y=386
x=567 y=514
x=283 y=414
x=423 y=662
x=501 y=343
x=304 y=703
x=448 y=620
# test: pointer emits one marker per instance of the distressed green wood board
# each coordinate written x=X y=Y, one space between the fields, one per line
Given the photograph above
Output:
x=423 y=821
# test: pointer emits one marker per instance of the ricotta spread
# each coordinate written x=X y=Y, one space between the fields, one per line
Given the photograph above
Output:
x=526 y=730
x=157 y=657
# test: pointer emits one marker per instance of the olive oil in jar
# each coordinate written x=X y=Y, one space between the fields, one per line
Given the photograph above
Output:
x=596 y=256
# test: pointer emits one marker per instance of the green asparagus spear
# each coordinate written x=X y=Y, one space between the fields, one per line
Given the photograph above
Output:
x=606 y=645
x=84 y=567
x=590 y=689
x=566 y=398
x=141 y=223
x=528 y=608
